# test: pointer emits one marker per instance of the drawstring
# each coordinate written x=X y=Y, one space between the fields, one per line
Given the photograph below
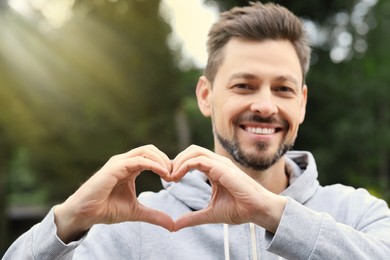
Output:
x=253 y=238
x=226 y=241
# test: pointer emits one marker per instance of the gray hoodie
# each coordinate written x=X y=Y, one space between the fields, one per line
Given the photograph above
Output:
x=331 y=222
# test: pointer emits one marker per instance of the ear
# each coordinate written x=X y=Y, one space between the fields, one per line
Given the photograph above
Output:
x=203 y=95
x=303 y=104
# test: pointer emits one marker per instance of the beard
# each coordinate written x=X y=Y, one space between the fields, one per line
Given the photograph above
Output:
x=258 y=160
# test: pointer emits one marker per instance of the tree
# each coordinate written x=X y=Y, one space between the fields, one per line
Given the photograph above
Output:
x=87 y=88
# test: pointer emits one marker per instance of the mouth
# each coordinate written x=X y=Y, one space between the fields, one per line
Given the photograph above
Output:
x=261 y=130
x=261 y=126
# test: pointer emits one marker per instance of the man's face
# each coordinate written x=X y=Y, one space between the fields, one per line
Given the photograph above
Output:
x=256 y=103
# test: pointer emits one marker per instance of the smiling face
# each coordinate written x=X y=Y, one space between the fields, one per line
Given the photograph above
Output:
x=256 y=101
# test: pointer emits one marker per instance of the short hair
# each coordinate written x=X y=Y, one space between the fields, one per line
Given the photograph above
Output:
x=256 y=22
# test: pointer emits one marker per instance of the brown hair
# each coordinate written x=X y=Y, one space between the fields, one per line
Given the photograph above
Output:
x=256 y=22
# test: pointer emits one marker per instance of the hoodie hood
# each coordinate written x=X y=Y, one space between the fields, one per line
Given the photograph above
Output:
x=303 y=173
x=194 y=190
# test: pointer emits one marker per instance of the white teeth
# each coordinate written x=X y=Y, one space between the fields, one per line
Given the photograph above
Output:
x=262 y=131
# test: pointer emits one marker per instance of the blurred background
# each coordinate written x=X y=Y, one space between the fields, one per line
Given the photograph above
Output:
x=82 y=80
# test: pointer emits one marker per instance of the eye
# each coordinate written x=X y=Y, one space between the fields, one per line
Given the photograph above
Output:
x=284 y=89
x=243 y=86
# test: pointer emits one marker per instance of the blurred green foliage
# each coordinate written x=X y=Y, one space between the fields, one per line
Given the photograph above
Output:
x=71 y=96
x=102 y=84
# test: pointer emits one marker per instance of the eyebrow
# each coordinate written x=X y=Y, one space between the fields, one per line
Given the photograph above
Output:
x=249 y=76
x=287 y=79
x=242 y=75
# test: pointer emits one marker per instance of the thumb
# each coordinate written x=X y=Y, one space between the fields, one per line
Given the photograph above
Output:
x=156 y=217
x=193 y=219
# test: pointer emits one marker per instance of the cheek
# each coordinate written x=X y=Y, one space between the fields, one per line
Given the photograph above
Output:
x=292 y=114
x=294 y=126
x=224 y=112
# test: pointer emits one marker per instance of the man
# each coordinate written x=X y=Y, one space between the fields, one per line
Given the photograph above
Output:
x=248 y=199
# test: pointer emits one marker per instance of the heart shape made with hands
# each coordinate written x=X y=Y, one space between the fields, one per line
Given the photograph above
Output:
x=224 y=206
x=234 y=197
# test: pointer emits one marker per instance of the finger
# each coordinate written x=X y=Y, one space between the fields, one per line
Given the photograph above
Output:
x=156 y=217
x=132 y=167
x=188 y=153
x=195 y=151
x=151 y=152
x=159 y=157
x=201 y=163
x=148 y=164
x=223 y=172
x=181 y=160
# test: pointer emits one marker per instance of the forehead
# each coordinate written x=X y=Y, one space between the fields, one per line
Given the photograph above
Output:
x=269 y=58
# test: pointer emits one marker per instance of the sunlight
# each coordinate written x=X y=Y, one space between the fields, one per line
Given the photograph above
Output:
x=54 y=12
x=190 y=21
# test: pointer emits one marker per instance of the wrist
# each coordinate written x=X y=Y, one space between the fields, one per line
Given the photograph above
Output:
x=273 y=213
x=69 y=227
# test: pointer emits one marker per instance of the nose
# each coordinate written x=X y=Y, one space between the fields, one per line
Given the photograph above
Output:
x=264 y=104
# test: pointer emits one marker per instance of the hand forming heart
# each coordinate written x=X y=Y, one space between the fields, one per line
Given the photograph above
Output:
x=109 y=196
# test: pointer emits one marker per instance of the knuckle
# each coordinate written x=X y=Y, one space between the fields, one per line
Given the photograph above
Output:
x=149 y=146
x=113 y=158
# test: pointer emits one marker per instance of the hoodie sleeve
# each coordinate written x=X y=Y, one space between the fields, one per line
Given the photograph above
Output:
x=41 y=242
x=306 y=234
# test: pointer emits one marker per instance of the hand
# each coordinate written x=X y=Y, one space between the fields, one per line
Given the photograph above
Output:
x=109 y=196
x=236 y=197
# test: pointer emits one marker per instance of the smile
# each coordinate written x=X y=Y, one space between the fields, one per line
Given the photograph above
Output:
x=260 y=130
